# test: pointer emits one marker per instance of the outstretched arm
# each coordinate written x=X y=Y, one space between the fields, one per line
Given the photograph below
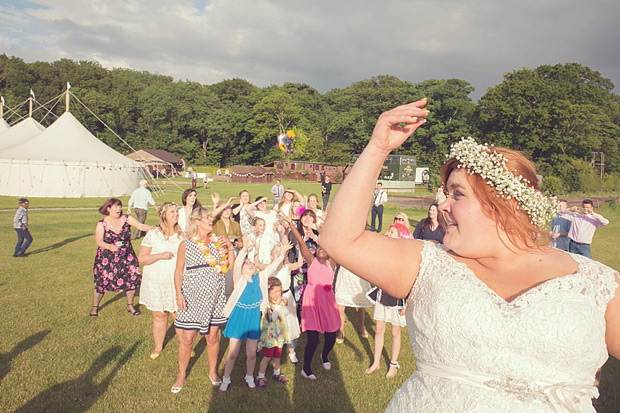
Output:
x=239 y=262
x=303 y=248
x=390 y=264
x=135 y=223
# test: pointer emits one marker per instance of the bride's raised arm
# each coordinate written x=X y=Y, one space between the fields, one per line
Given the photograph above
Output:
x=390 y=264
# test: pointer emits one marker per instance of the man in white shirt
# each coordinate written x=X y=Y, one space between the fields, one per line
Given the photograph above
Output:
x=277 y=190
x=583 y=224
x=379 y=198
x=140 y=200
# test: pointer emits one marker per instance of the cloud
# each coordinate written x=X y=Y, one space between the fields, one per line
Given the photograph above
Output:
x=323 y=43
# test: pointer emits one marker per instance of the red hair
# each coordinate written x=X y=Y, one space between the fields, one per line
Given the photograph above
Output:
x=515 y=222
x=403 y=231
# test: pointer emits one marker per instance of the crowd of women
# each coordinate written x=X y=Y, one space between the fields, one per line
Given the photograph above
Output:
x=254 y=272
x=498 y=320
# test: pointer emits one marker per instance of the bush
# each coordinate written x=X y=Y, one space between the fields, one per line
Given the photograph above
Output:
x=552 y=185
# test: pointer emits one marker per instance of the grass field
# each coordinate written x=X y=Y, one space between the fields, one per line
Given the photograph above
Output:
x=53 y=357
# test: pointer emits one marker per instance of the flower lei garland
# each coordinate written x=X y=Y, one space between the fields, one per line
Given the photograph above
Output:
x=221 y=265
x=479 y=159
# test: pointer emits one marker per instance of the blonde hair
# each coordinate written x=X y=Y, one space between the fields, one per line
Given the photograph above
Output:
x=198 y=213
x=163 y=224
x=405 y=217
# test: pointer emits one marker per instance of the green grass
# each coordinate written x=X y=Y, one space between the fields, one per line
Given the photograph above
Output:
x=53 y=357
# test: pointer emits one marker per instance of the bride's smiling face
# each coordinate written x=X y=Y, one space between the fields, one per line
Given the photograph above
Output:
x=469 y=232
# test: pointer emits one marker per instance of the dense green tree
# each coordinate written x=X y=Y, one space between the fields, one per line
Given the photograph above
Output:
x=553 y=114
x=557 y=114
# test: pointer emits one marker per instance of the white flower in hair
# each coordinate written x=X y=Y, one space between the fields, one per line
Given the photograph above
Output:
x=480 y=159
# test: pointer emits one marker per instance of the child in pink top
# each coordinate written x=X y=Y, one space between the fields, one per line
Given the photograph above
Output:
x=319 y=313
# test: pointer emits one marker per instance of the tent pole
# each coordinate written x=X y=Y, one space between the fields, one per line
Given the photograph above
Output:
x=67 y=97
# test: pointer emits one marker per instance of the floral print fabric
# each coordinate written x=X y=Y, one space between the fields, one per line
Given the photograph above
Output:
x=116 y=271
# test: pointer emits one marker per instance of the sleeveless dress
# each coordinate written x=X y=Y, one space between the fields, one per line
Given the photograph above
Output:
x=274 y=333
x=116 y=271
x=476 y=352
x=157 y=292
x=318 y=309
x=203 y=290
x=244 y=320
x=351 y=290
x=291 y=318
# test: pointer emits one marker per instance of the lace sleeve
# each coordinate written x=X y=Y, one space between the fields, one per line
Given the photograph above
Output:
x=607 y=282
x=148 y=239
x=428 y=256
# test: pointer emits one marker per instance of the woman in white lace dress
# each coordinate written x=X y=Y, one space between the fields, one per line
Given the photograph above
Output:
x=158 y=255
x=498 y=322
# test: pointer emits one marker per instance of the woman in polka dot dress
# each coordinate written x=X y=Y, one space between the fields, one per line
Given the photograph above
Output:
x=202 y=262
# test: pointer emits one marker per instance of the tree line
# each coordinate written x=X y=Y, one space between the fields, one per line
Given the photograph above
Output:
x=557 y=114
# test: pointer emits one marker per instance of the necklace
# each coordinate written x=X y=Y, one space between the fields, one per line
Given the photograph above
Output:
x=221 y=265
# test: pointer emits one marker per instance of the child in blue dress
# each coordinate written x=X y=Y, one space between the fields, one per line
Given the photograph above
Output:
x=243 y=311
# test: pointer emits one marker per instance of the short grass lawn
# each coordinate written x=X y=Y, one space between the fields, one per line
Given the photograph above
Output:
x=55 y=358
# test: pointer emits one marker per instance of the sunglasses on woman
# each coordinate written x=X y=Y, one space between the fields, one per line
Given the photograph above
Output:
x=399 y=219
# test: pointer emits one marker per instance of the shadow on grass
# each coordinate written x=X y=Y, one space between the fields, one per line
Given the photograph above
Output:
x=609 y=400
x=351 y=314
x=170 y=333
x=118 y=296
x=25 y=344
x=328 y=392
x=59 y=244
x=80 y=393
x=274 y=397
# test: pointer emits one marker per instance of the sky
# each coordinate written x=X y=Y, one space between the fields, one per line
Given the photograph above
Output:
x=324 y=43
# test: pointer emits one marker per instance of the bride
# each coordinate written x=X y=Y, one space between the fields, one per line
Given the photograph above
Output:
x=498 y=322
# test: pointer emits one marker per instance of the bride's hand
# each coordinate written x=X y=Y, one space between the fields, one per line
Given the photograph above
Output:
x=388 y=134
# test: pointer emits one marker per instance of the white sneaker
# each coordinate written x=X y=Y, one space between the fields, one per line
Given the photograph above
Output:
x=225 y=383
x=293 y=357
x=250 y=381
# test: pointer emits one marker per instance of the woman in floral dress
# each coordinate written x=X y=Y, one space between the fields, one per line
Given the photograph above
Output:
x=116 y=265
x=202 y=261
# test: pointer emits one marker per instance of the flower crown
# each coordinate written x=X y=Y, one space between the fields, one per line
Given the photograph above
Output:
x=481 y=160
x=166 y=206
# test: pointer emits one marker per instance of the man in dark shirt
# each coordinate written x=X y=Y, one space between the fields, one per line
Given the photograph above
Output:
x=326 y=188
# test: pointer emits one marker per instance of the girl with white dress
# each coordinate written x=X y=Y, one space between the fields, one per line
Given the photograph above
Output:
x=270 y=237
x=158 y=256
x=388 y=310
x=286 y=202
x=283 y=273
x=497 y=320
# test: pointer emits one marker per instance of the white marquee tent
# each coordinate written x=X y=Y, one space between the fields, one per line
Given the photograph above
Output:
x=66 y=160
x=20 y=133
x=3 y=125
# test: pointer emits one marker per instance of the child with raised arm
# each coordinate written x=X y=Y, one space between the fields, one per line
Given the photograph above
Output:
x=273 y=333
x=243 y=311
x=319 y=313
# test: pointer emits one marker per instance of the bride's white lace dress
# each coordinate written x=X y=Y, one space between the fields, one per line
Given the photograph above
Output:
x=477 y=352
